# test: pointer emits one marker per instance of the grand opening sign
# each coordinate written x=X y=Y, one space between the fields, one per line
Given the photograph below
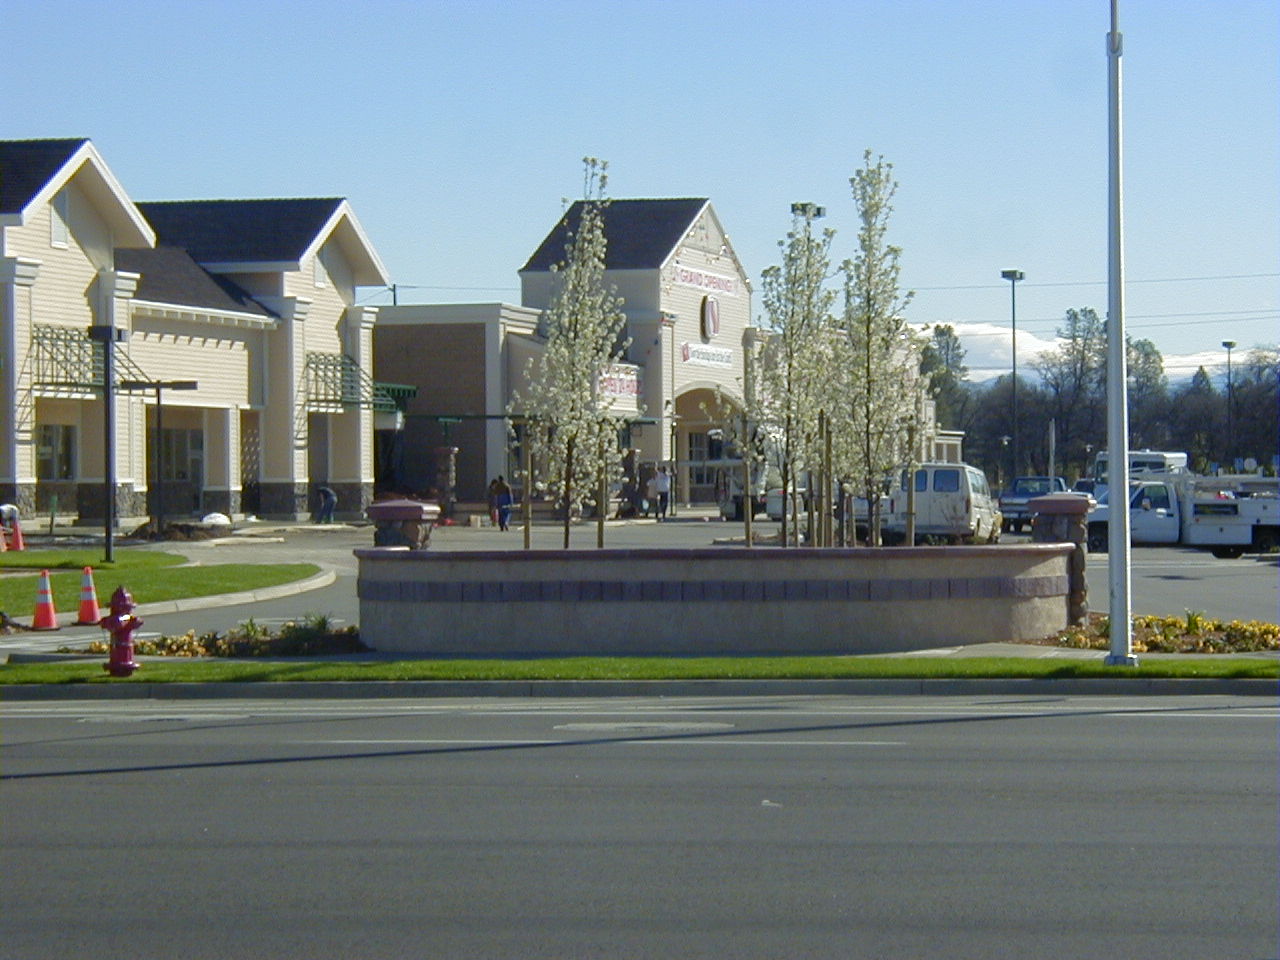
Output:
x=709 y=282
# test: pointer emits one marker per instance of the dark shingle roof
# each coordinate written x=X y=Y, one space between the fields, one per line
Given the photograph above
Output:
x=234 y=231
x=640 y=233
x=169 y=275
x=27 y=165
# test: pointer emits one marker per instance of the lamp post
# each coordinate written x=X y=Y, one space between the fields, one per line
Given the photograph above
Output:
x=1231 y=423
x=1013 y=276
x=159 y=386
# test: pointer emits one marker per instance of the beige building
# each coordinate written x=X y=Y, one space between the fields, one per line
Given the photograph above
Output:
x=240 y=356
x=687 y=301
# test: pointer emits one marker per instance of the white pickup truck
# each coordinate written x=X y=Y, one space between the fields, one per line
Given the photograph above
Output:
x=1227 y=515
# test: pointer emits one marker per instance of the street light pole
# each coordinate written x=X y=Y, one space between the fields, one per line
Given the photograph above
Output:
x=1013 y=276
x=1231 y=423
x=108 y=336
x=1120 y=591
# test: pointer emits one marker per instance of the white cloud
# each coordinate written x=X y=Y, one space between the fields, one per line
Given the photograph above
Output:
x=988 y=350
x=988 y=354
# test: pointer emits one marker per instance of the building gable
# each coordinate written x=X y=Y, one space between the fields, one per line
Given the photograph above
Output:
x=271 y=235
x=641 y=234
x=32 y=172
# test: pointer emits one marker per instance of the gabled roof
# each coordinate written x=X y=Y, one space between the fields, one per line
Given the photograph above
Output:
x=228 y=236
x=27 y=165
x=641 y=234
x=32 y=171
x=169 y=276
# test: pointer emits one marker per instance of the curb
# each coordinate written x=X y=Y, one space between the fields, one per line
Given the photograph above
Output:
x=450 y=689
x=315 y=582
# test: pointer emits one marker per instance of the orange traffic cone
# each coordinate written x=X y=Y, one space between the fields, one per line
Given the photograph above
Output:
x=17 y=535
x=45 y=617
x=89 y=615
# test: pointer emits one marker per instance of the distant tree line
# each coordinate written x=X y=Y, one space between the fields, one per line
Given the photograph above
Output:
x=1070 y=390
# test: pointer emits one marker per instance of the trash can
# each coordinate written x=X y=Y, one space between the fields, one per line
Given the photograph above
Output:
x=403 y=523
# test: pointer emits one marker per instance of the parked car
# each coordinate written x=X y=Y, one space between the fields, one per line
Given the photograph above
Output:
x=953 y=503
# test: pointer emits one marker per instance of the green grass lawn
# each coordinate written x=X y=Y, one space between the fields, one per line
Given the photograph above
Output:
x=149 y=575
x=643 y=668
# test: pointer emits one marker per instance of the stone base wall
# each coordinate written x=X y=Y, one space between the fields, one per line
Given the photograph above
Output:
x=91 y=504
x=24 y=497
x=285 y=501
x=709 y=601
x=353 y=500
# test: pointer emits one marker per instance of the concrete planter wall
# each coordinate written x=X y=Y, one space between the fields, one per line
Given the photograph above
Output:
x=709 y=601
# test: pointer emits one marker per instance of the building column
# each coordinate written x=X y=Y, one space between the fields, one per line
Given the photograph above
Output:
x=284 y=483
x=222 y=462
x=351 y=432
x=115 y=290
x=17 y=414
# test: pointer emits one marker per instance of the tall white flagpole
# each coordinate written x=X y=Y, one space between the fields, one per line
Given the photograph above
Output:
x=1117 y=376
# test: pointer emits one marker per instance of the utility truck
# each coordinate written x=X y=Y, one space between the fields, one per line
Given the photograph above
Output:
x=1140 y=462
x=1228 y=515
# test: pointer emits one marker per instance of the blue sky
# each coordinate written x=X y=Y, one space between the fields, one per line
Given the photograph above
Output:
x=456 y=129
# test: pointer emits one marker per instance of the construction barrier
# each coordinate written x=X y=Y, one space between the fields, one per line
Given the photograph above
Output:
x=45 y=617
x=89 y=614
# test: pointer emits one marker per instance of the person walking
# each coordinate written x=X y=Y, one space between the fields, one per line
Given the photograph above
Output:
x=328 y=503
x=492 y=495
x=651 y=495
x=663 y=486
x=503 y=501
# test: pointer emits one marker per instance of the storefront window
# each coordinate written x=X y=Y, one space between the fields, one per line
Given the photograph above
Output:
x=55 y=452
x=704 y=447
x=181 y=452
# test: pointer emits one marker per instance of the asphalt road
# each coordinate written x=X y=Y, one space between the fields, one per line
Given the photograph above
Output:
x=806 y=827
x=1165 y=580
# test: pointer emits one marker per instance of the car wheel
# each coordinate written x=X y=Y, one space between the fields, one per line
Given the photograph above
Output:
x=1098 y=539
x=1228 y=553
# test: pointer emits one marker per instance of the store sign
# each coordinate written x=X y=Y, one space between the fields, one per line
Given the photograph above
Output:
x=710 y=317
x=703 y=355
x=711 y=282
x=620 y=381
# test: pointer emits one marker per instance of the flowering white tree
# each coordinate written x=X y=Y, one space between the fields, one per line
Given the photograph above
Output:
x=878 y=367
x=572 y=432
x=796 y=362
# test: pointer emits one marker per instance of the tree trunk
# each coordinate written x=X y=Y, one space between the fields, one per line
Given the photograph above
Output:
x=568 y=490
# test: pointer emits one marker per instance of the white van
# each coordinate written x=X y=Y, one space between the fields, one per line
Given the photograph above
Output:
x=953 y=503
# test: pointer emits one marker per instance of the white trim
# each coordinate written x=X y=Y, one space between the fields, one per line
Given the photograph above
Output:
x=129 y=227
x=516 y=318
x=359 y=271
x=252 y=266
x=164 y=311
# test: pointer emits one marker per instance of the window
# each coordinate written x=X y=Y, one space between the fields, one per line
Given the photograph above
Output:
x=180 y=453
x=320 y=274
x=55 y=452
x=59 y=235
x=1159 y=496
x=946 y=481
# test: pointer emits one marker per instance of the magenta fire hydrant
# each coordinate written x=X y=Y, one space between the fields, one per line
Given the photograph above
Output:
x=121 y=623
